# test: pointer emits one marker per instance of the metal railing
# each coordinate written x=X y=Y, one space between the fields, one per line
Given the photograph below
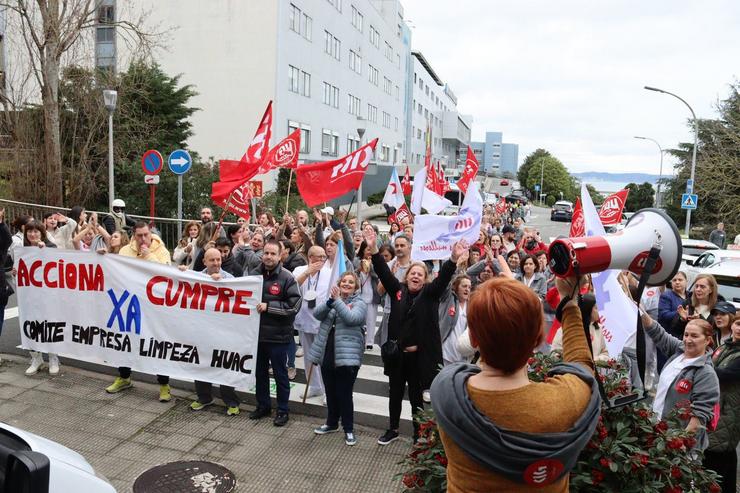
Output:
x=170 y=229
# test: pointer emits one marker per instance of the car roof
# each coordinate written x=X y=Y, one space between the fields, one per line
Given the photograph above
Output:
x=563 y=202
x=699 y=243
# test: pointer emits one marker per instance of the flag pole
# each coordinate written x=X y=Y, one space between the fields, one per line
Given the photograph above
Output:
x=223 y=214
x=349 y=209
x=308 y=382
x=287 y=197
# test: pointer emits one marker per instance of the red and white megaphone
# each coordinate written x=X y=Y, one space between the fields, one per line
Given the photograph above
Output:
x=624 y=250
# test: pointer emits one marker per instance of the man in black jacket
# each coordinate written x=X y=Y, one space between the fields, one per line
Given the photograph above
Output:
x=281 y=300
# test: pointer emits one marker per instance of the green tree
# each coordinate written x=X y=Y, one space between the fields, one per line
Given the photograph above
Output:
x=523 y=172
x=717 y=176
x=555 y=178
x=639 y=197
x=595 y=195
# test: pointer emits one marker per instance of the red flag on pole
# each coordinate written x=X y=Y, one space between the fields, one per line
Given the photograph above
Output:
x=471 y=169
x=232 y=196
x=248 y=166
x=406 y=182
x=611 y=210
x=321 y=182
x=577 y=225
x=402 y=213
x=501 y=206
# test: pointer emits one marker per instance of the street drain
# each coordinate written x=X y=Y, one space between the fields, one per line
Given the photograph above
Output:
x=186 y=477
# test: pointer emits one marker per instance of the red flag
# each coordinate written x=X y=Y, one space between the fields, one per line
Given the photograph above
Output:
x=611 y=210
x=283 y=155
x=232 y=196
x=248 y=166
x=471 y=169
x=402 y=213
x=321 y=182
x=442 y=185
x=501 y=206
x=577 y=225
x=406 y=182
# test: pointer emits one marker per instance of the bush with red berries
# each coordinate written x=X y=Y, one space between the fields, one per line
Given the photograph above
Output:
x=631 y=450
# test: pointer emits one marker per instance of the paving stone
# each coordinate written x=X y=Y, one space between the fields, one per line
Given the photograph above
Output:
x=10 y=391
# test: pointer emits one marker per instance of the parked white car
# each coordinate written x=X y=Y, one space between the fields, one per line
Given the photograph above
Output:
x=41 y=465
x=693 y=248
x=712 y=262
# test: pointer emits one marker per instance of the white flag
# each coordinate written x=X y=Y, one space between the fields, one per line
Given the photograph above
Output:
x=435 y=235
x=394 y=194
x=421 y=196
x=618 y=313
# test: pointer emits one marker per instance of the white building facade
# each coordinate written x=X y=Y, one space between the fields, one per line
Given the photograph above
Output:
x=329 y=66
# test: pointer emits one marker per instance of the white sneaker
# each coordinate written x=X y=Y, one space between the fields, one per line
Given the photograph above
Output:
x=426 y=396
x=36 y=362
x=53 y=364
x=313 y=392
x=299 y=352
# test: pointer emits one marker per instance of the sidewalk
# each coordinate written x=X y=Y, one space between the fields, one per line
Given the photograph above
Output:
x=123 y=435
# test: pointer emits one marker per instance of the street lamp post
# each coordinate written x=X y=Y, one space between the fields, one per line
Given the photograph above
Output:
x=542 y=176
x=696 y=144
x=109 y=99
x=361 y=134
x=660 y=173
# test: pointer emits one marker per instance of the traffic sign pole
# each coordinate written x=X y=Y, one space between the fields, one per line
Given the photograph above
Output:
x=152 y=188
x=179 y=201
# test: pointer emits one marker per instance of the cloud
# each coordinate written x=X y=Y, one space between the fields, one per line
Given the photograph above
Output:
x=569 y=75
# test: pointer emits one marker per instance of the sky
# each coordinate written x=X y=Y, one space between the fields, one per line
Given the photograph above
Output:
x=568 y=75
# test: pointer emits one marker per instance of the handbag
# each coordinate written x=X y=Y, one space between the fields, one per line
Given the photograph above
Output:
x=390 y=353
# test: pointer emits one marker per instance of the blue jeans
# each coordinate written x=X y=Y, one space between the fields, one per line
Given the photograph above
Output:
x=291 y=352
x=275 y=355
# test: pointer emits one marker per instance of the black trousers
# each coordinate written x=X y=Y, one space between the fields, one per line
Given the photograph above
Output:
x=125 y=372
x=724 y=464
x=406 y=373
x=338 y=384
x=205 y=393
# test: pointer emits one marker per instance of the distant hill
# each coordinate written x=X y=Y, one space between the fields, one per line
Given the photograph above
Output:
x=616 y=177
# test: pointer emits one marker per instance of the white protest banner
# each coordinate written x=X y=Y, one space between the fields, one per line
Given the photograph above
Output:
x=421 y=196
x=121 y=311
x=435 y=235
x=618 y=314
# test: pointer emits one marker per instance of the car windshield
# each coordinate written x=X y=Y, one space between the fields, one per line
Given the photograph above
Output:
x=561 y=207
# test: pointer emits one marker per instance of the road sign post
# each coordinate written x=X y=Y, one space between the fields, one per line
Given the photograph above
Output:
x=689 y=186
x=151 y=163
x=179 y=163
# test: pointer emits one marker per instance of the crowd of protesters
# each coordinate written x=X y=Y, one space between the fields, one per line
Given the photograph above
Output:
x=492 y=302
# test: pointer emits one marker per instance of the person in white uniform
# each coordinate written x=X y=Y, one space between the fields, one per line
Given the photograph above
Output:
x=313 y=280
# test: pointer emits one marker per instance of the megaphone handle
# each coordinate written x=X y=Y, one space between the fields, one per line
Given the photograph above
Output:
x=640 y=335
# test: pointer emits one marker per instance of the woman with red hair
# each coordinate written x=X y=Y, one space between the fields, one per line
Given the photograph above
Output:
x=496 y=425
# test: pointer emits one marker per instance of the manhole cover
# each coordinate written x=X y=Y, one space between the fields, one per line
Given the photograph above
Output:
x=182 y=477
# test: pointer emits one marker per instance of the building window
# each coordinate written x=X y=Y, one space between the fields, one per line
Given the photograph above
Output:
x=418 y=133
x=332 y=45
x=398 y=93
x=353 y=143
x=374 y=37
x=385 y=153
x=331 y=95
x=337 y=4
x=396 y=123
x=387 y=86
x=373 y=74
x=357 y=18
x=398 y=60
x=372 y=113
x=427 y=90
x=305 y=135
x=306 y=84
x=355 y=62
x=419 y=109
x=426 y=114
x=421 y=84
x=388 y=51
x=293 y=78
x=353 y=105
x=329 y=143
x=106 y=14
x=294 y=18
x=386 y=120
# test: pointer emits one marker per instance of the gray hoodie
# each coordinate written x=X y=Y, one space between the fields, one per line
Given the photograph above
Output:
x=697 y=383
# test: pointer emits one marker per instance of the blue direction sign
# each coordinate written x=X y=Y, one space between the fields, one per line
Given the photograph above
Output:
x=180 y=161
x=689 y=201
x=151 y=162
x=689 y=186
